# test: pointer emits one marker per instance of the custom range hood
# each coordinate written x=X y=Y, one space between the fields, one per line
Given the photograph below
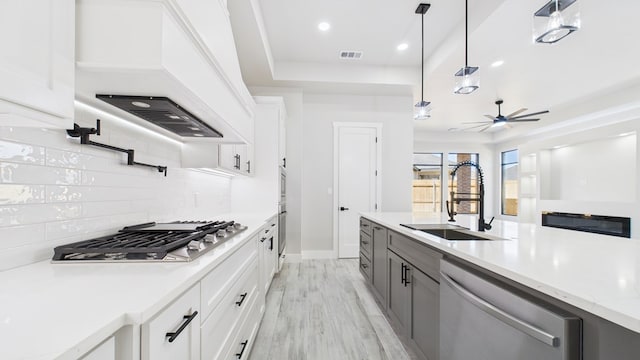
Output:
x=169 y=50
x=163 y=112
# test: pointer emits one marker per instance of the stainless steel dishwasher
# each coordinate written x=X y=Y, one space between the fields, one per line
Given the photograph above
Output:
x=482 y=320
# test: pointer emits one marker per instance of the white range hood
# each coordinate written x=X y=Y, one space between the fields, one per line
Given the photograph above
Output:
x=179 y=49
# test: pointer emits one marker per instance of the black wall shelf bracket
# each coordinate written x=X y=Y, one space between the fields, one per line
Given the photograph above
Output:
x=83 y=133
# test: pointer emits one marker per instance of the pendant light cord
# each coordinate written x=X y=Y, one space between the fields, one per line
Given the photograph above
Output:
x=466 y=34
x=422 y=58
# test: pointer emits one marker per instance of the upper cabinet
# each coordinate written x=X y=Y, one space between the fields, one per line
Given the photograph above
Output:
x=37 y=63
x=180 y=49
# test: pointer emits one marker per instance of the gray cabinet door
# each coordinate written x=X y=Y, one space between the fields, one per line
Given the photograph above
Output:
x=379 y=260
x=398 y=294
x=424 y=317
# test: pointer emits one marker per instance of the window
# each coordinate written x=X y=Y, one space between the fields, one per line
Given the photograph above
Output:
x=466 y=183
x=510 y=182
x=427 y=182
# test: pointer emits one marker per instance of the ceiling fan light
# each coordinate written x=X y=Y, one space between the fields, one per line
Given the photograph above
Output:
x=556 y=20
x=498 y=124
x=467 y=80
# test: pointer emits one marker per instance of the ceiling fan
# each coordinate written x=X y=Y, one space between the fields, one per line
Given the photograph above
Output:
x=501 y=120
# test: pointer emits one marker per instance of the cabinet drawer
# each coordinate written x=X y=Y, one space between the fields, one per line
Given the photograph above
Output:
x=240 y=347
x=365 y=266
x=421 y=256
x=365 y=243
x=104 y=351
x=218 y=282
x=176 y=318
x=222 y=325
x=365 y=225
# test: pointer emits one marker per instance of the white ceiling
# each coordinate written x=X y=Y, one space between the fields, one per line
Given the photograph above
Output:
x=279 y=45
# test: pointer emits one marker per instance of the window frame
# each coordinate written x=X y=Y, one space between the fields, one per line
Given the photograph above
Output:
x=441 y=165
x=502 y=179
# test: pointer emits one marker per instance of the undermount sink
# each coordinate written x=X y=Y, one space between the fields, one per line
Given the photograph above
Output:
x=449 y=232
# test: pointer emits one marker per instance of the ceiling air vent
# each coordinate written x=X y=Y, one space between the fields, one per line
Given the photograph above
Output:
x=351 y=55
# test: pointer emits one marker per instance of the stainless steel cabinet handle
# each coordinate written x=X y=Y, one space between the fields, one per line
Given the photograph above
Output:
x=501 y=315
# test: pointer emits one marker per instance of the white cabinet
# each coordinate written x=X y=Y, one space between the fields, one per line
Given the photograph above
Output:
x=237 y=158
x=268 y=245
x=37 y=63
x=174 y=333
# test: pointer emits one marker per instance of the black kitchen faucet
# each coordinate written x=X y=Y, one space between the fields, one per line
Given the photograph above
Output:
x=479 y=198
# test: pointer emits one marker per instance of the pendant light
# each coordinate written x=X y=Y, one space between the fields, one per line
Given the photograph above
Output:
x=422 y=110
x=555 y=21
x=467 y=80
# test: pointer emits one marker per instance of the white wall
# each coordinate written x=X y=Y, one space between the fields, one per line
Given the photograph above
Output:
x=321 y=111
x=55 y=191
x=446 y=143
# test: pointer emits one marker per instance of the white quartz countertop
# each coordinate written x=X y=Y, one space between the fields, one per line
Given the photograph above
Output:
x=597 y=273
x=61 y=311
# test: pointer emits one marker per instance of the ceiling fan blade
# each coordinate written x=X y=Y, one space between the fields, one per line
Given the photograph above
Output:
x=490 y=117
x=532 y=114
x=521 y=120
x=485 y=128
x=517 y=112
x=478 y=122
x=476 y=126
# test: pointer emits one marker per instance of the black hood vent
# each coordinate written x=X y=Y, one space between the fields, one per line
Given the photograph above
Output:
x=163 y=112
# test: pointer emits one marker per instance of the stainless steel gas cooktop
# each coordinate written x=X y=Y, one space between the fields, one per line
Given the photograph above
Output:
x=178 y=241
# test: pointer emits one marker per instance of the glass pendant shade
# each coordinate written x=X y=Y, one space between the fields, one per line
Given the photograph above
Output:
x=555 y=21
x=467 y=80
x=422 y=110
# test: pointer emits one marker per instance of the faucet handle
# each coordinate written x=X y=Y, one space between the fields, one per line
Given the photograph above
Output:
x=450 y=212
x=488 y=226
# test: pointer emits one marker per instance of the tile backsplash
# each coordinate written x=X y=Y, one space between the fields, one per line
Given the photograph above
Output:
x=54 y=190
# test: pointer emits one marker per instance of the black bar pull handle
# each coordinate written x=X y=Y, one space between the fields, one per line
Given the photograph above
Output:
x=263 y=239
x=244 y=346
x=242 y=297
x=174 y=335
x=406 y=276
x=402 y=274
x=342 y=208
x=271 y=243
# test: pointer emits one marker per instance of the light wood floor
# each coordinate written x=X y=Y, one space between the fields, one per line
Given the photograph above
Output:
x=322 y=310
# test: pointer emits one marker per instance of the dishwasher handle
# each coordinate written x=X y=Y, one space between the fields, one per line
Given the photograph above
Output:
x=501 y=315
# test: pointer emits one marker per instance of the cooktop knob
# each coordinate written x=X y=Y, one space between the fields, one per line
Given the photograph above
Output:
x=237 y=225
x=193 y=245
x=230 y=229
x=221 y=233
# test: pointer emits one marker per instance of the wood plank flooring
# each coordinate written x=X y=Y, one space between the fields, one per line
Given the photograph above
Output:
x=323 y=310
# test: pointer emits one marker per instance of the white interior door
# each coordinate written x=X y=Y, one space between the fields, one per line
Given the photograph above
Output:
x=357 y=160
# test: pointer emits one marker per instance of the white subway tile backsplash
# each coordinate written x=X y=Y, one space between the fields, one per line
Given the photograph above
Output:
x=21 y=153
x=55 y=191
x=15 y=236
x=21 y=194
x=16 y=215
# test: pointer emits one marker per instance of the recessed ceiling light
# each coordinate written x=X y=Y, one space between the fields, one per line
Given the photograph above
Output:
x=403 y=47
x=498 y=63
x=324 y=26
x=140 y=104
x=198 y=135
x=194 y=128
x=560 y=146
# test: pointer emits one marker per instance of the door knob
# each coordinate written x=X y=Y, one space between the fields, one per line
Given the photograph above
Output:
x=342 y=208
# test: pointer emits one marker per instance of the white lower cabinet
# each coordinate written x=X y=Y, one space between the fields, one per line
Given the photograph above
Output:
x=268 y=247
x=217 y=318
x=175 y=332
x=218 y=329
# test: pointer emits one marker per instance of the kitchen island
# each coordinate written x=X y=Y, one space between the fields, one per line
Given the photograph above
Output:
x=594 y=276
